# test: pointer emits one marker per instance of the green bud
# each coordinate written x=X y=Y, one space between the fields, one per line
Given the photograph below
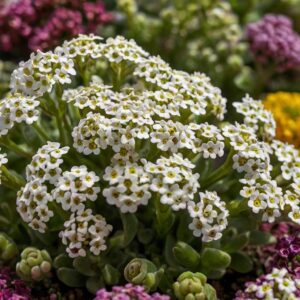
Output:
x=193 y=286
x=35 y=265
x=186 y=255
x=8 y=248
x=142 y=271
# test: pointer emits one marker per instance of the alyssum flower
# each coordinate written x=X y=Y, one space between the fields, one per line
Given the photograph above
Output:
x=121 y=143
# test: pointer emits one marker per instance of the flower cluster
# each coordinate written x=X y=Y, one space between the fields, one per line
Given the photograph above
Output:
x=22 y=30
x=11 y=288
x=286 y=110
x=274 y=42
x=282 y=253
x=17 y=109
x=209 y=216
x=85 y=231
x=139 y=133
x=278 y=284
x=128 y=291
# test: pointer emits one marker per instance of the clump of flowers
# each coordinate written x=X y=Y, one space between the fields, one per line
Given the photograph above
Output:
x=27 y=25
x=128 y=291
x=286 y=110
x=12 y=288
x=274 y=43
x=126 y=158
x=277 y=284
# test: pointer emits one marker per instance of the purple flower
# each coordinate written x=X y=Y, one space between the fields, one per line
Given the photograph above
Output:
x=128 y=292
x=27 y=25
x=12 y=289
x=273 y=42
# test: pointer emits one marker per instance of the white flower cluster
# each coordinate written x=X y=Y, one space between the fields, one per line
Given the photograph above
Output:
x=16 y=109
x=269 y=191
x=3 y=161
x=39 y=74
x=33 y=200
x=84 y=230
x=151 y=120
x=209 y=216
x=45 y=164
x=276 y=285
x=46 y=183
x=256 y=117
x=174 y=180
x=75 y=187
x=289 y=158
x=128 y=186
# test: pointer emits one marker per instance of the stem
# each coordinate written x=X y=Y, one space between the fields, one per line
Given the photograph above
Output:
x=9 y=144
x=219 y=173
x=11 y=180
x=41 y=132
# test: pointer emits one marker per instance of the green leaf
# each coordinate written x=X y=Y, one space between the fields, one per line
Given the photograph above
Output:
x=258 y=238
x=110 y=274
x=130 y=226
x=237 y=242
x=183 y=232
x=93 y=284
x=164 y=218
x=168 y=251
x=241 y=262
x=210 y=292
x=62 y=260
x=84 y=266
x=215 y=259
x=71 y=277
x=186 y=255
x=215 y=274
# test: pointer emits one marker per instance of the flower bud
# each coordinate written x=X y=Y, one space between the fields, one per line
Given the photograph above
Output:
x=34 y=265
x=193 y=286
x=141 y=271
x=8 y=248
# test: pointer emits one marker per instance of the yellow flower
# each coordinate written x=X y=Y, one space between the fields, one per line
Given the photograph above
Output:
x=286 y=110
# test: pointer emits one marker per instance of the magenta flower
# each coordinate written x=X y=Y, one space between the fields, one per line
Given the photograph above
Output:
x=273 y=42
x=128 y=292
x=27 y=25
x=12 y=289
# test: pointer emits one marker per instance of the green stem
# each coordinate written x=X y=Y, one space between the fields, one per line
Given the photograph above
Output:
x=11 y=180
x=41 y=132
x=219 y=173
x=9 y=144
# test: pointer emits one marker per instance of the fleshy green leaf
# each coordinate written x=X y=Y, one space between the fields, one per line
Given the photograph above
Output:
x=62 y=260
x=237 y=242
x=110 y=274
x=71 y=277
x=130 y=226
x=93 y=284
x=84 y=266
x=212 y=258
x=258 y=238
x=186 y=255
x=241 y=262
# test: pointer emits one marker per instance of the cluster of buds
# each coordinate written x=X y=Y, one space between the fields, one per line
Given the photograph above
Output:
x=34 y=265
x=203 y=40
